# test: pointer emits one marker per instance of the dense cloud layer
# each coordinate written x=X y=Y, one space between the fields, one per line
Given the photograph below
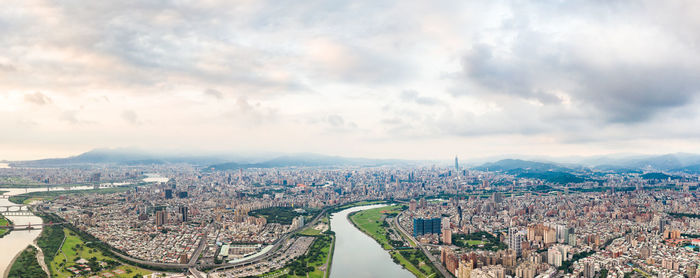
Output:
x=363 y=78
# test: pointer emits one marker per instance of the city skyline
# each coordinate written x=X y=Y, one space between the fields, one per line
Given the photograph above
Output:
x=360 y=79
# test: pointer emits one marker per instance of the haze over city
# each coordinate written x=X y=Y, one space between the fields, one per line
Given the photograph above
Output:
x=360 y=78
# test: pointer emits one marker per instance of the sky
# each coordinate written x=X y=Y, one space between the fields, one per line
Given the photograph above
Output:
x=367 y=78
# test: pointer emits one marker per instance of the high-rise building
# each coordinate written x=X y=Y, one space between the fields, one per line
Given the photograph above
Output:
x=457 y=164
x=426 y=226
x=498 y=197
x=515 y=239
x=554 y=257
x=562 y=233
x=183 y=258
x=465 y=269
x=95 y=177
x=526 y=270
x=161 y=218
x=447 y=236
x=183 y=210
x=412 y=205
x=589 y=269
x=168 y=194
x=182 y=194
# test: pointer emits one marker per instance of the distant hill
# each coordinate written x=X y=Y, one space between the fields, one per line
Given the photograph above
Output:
x=311 y=160
x=119 y=157
x=553 y=177
x=510 y=165
x=134 y=157
x=658 y=176
x=549 y=172
x=678 y=162
x=691 y=169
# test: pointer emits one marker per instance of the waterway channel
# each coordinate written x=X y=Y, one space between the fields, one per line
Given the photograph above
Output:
x=14 y=242
x=358 y=255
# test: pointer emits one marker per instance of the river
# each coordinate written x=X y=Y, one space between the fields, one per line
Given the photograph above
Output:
x=14 y=242
x=358 y=255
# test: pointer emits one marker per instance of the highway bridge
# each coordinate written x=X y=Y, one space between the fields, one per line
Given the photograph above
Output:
x=14 y=208
x=29 y=226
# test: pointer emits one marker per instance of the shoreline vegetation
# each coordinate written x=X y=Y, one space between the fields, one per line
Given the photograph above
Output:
x=372 y=223
x=5 y=222
x=26 y=265
x=25 y=198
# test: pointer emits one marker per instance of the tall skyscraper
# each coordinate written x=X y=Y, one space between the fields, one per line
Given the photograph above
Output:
x=447 y=236
x=161 y=218
x=456 y=164
x=589 y=269
x=426 y=226
x=183 y=213
x=515 y=239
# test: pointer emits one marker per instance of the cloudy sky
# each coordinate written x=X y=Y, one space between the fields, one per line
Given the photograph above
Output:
x=400 y=79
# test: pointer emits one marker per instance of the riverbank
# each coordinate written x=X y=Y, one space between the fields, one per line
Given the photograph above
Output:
x=41 y=260
x=372 y=223
x=4 y=222
x=26 y=265
x=314 y=264
x=26 y=198
x=356 y=254
x=12 y=262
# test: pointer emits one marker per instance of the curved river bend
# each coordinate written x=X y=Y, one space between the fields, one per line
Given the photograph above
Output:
x=358 y=255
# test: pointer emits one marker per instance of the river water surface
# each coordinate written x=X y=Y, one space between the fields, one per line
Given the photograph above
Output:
x=14 y=242
x=356 y=254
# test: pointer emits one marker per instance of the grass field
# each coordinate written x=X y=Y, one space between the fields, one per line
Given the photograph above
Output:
x=370 y=221
x=419 y=264
x=475 y=242
x=401 y=260
x=74 y=249
x=310 y=231
x=3 y=222
x=50 y=195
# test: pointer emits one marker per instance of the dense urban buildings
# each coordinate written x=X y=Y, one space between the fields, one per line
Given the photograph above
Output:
x=470 y=223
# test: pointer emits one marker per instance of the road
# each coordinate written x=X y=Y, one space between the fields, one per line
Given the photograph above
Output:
x=200 y=248
x=196 y=272
x=430 y=256
x=274 y=248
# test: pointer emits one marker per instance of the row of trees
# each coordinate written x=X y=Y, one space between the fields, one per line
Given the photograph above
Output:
x=49 y=241
x=26 y=265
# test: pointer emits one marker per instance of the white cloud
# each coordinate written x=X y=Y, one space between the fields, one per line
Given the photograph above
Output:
x=380 y=76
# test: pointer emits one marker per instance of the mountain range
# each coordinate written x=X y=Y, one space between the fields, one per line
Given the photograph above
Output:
x=679 y=162
x=210 y=161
